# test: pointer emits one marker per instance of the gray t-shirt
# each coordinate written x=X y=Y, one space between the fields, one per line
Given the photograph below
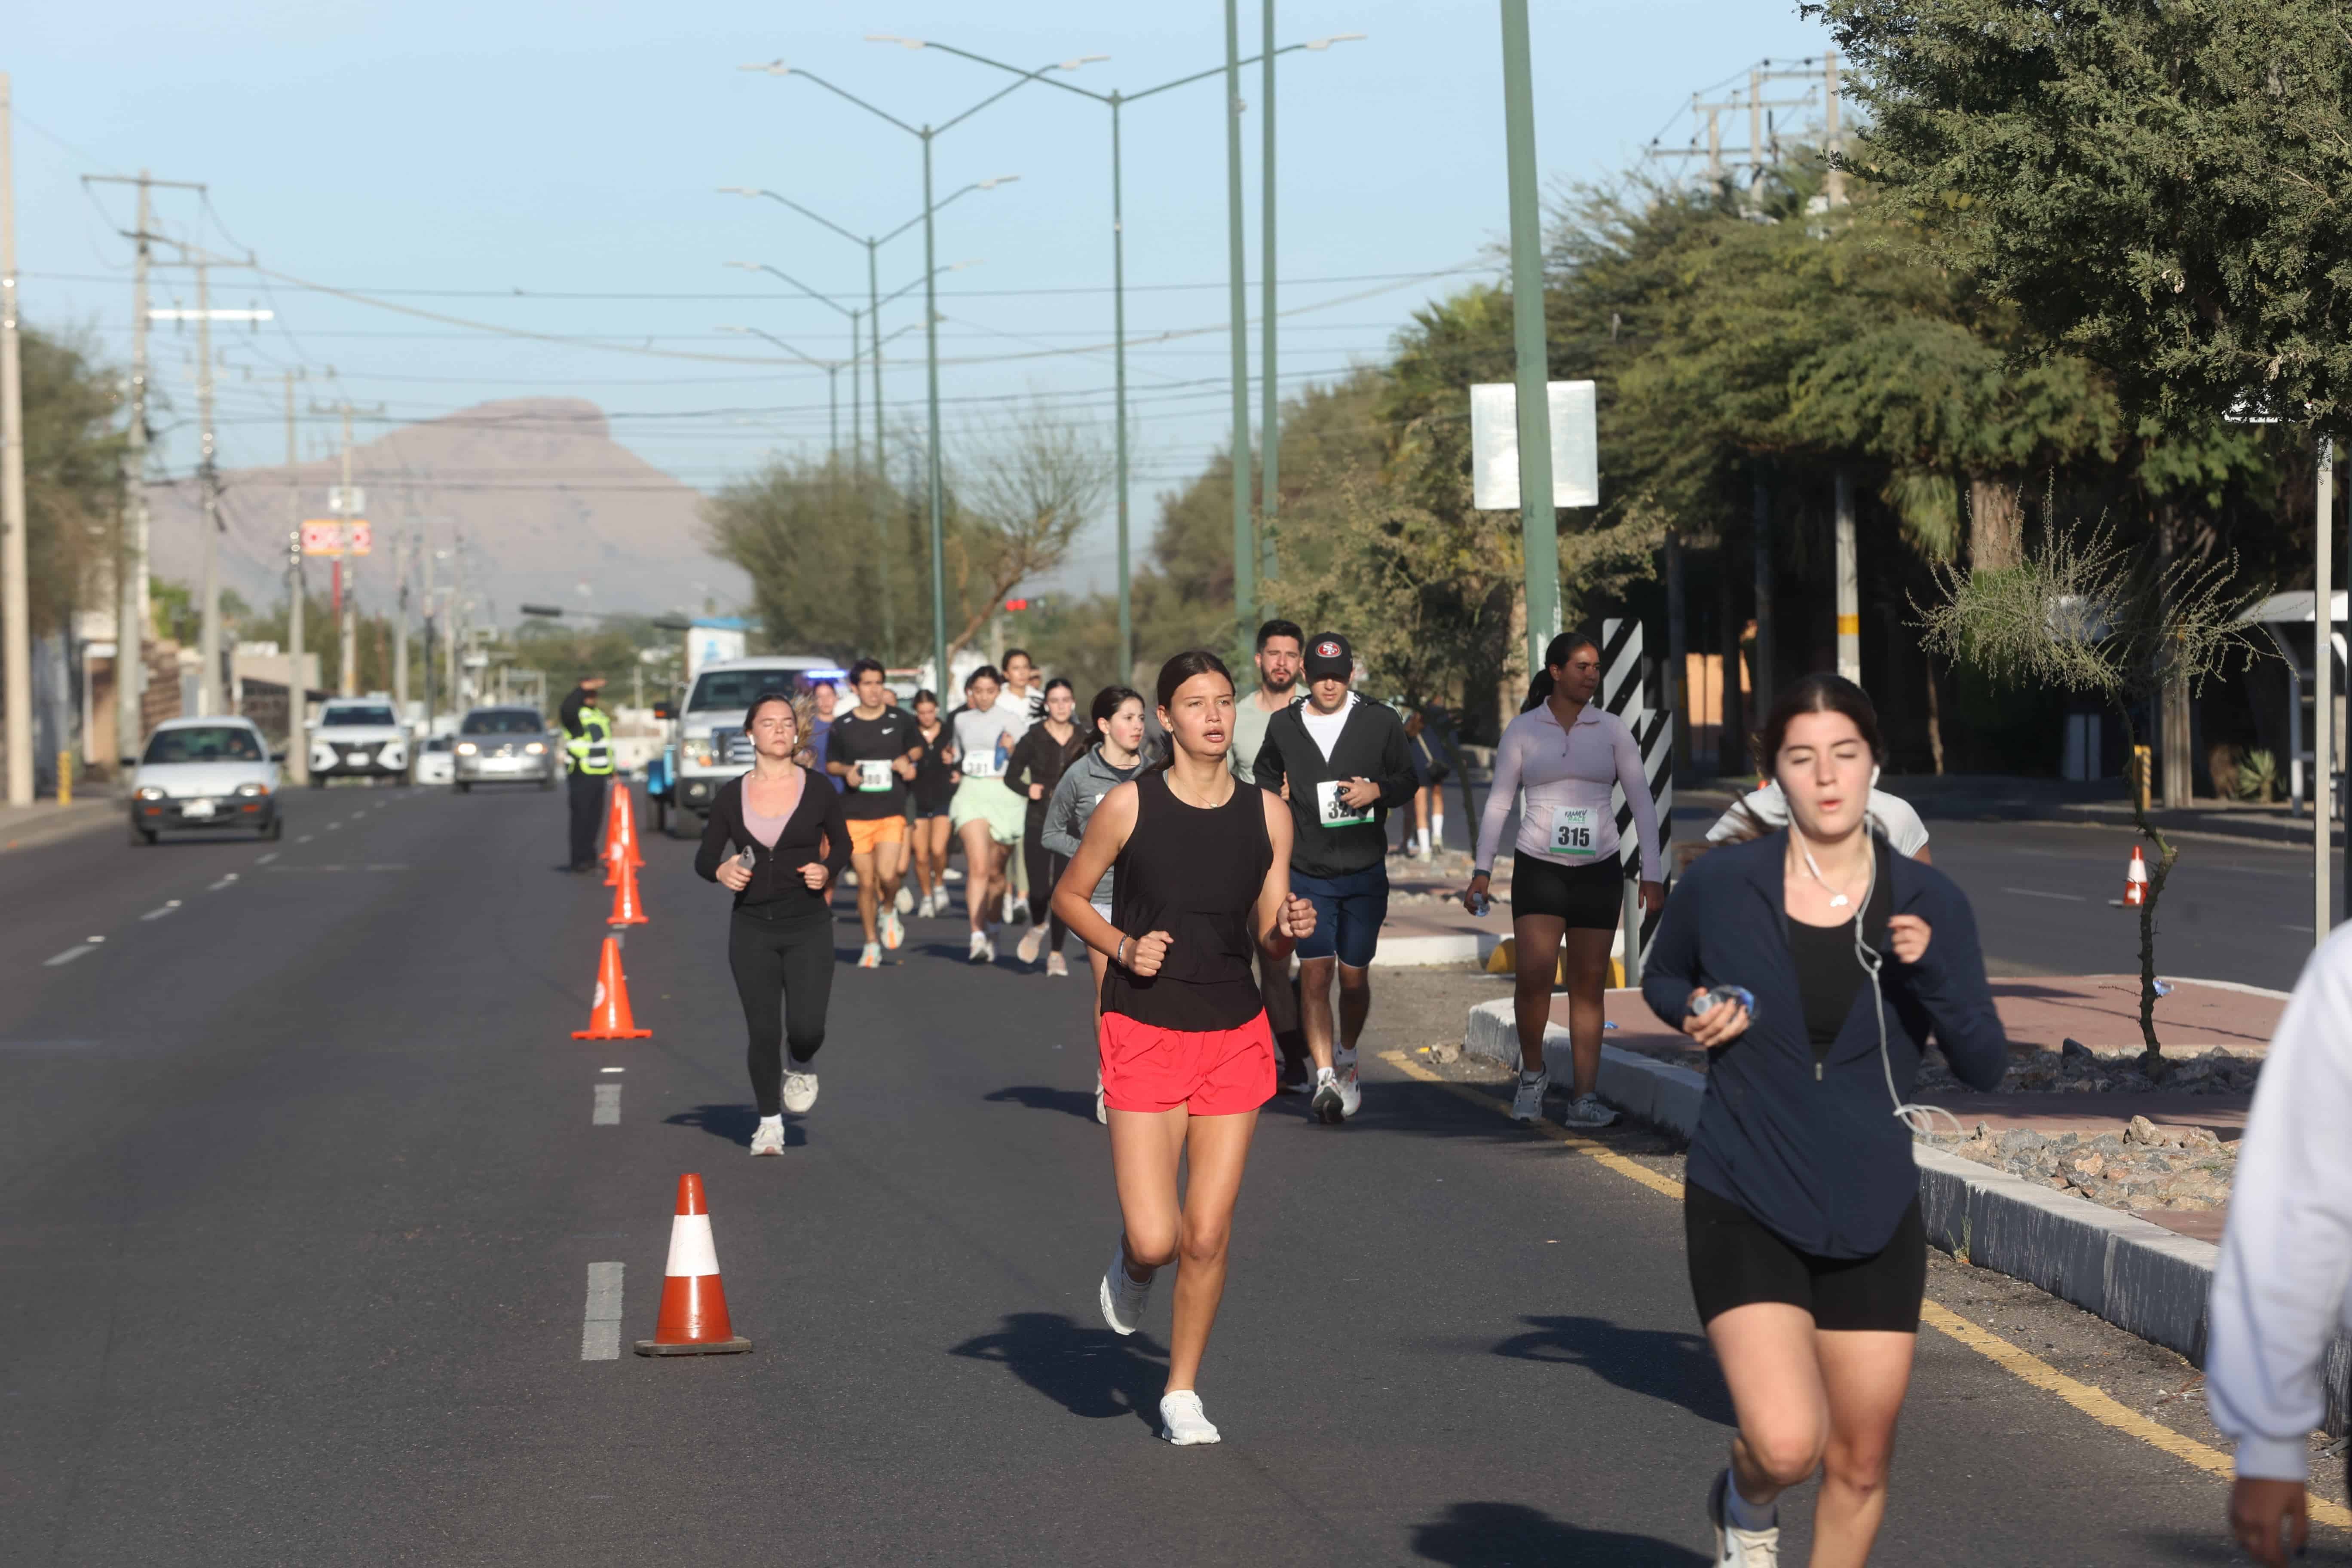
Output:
x=1249 y=733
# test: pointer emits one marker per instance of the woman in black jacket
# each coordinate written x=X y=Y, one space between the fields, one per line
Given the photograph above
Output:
x=1038 y=761
x=1812 y=964
x=790 y=842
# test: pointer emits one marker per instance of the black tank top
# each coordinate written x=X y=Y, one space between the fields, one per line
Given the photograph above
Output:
x=1195 y=873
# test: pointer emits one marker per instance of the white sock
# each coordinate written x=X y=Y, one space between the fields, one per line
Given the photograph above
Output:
x=1343 y=1060
x=1742 y=1514
x=776 y=1122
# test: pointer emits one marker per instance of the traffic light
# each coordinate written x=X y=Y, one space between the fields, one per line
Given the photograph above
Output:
x=1039 y=603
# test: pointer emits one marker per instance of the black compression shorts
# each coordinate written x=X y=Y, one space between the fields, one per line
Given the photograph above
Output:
x=1735 y=1261
x=1589 y=898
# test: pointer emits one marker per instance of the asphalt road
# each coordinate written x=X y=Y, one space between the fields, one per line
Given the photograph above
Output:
x=299 y=1193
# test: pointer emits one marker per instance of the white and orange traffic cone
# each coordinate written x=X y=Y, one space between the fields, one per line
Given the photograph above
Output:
x=2136 y=880
x=693 y=1320
x=627 y=909
x=608 y=1016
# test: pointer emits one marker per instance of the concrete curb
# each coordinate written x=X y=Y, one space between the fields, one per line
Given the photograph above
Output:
x=2137 y=1275
x=26 y=827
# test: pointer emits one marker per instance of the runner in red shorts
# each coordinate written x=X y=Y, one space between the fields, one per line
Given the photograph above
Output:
x=1203 y=876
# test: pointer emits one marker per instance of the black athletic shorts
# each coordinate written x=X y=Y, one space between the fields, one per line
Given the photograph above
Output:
x=1735 y=1261
x=1589 y=898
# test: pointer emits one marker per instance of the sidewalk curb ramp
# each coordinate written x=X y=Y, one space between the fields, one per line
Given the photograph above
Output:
x=2137 y=1275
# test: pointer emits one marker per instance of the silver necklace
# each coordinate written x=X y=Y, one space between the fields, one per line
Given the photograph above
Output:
x=1838 y=901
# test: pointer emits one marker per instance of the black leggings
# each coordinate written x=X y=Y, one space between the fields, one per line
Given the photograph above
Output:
x=1045 y=868
x=783 y=972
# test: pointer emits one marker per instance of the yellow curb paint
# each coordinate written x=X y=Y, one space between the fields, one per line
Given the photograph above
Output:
x=2099 y=1405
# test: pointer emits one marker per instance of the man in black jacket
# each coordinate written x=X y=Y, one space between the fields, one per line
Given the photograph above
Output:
x=1342 y=764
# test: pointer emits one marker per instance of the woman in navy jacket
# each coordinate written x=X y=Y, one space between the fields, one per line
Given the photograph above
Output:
x=1808 y=1257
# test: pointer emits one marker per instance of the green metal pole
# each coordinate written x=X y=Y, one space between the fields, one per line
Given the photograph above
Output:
x=1270 y=420
x=878 y=480
x=1118 y=379
x=1237 y=261
x=1539 y=529
x=931 y=355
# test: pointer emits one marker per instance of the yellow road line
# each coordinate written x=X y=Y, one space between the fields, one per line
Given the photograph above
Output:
x=2098 y=1404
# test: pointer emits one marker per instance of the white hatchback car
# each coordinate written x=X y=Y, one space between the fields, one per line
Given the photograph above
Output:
x=204 y=773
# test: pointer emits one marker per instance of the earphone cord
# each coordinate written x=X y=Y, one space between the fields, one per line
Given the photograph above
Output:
x=1919 y=1118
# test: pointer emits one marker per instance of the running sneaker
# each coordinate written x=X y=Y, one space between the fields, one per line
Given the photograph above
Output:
x=1102 y=1110
x=1122 y=1297
x=799 y=1088
x=1013 y=910
x=1056 y=965
x=1586 y=1110
x=1351 y=1096
x=1734 y=1547
x=1181 y=1421
x=894 y=930
x=928 y=908
x=871 y=958
x=1033 y=941
x=768 y=1137
x=904 y=903
x=1329 y=1107
x=983 y=949
x=1526 y=1105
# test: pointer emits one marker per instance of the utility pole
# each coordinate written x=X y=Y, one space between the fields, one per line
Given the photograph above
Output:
x=1849 y=584
x=1236 y=264
x=347 y=562
x=1270 y=420
x=1832 y=140
x=133 y=615
x=2322 y=695
x=297 y=685
x=400 y=546
x=15 y=598
x=208 y=686
x=1539 y=526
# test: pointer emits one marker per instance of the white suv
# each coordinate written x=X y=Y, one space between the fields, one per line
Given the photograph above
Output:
x=358 y=737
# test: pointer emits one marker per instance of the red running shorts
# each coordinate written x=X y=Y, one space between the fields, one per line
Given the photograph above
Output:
x=1216 y=1072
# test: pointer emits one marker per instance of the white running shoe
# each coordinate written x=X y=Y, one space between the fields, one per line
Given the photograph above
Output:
x=800 y=1088
x=871 y=957
x=1056 y=965
x=768 y=1137
x=894 y=930
x=930 y=907
x=1013 y=910
x=1329 y=1107
x=1181 y=1421
x=1122 y=1297
x=1587 y=1111
x=904 y=903
x=1734 y=1547
x=983 y=949
x=1102 y=1110
x=1351 y=1095
x=1033 y=941
x=1526 y=1105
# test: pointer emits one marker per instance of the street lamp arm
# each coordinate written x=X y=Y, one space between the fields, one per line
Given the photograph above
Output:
x=1219 y=70
x=911 y=288
x=780 y=68
x=1037 y=75
x=1016 y=70
x=987 y=185
x=828 y=365
x=813 y=218
x=821 y=298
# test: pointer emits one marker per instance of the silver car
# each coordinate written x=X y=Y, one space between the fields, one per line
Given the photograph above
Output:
x=506 y=746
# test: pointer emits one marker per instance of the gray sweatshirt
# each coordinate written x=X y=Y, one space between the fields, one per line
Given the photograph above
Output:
x=1082 y=786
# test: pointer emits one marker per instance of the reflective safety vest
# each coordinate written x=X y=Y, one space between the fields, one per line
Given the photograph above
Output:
x=591 y=752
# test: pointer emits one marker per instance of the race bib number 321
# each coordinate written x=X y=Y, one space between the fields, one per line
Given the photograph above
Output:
x=1332 y=811
x=1572 y=831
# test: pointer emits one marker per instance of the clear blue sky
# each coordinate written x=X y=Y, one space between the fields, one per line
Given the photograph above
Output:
x=575 y=148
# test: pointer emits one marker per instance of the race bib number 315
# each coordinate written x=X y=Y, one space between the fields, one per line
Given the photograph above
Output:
x=1332 y=811
x=1572 y=831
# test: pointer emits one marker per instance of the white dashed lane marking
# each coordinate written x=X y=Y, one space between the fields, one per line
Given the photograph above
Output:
x=306 y=838
x=600 y=1327
x=157 y=914
x=68 y=955
x=229 y=880
x=608 y=1106
x=266 y=859
x=2038 y=893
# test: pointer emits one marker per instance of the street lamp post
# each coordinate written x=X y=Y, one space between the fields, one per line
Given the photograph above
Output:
x=926 y=134
x=1115 y=101
x=832 y=368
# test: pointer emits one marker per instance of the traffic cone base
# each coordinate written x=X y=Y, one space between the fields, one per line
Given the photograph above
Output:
x=693 y=1320
x=608 y=1015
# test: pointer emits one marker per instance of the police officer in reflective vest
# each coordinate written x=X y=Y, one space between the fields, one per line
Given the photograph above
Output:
x=587 y=763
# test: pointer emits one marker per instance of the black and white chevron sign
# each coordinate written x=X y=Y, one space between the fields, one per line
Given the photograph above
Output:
x=1627 y=686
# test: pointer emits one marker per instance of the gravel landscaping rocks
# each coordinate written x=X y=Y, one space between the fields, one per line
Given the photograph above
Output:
x=2075 y=1068
x=2143 y=1167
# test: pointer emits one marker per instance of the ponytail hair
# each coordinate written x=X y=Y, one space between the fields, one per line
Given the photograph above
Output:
x=1174 y=675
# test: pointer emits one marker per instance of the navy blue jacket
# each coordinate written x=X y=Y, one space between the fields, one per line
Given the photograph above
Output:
x=1822 y=1162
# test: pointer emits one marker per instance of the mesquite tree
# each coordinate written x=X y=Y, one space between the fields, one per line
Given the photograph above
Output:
x=2085 y=615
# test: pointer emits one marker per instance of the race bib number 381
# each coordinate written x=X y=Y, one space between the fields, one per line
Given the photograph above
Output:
x=1572 y=831
x=1332 y=811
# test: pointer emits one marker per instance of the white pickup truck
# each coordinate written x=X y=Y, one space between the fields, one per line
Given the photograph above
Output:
x=358 y=737
x=708 y=746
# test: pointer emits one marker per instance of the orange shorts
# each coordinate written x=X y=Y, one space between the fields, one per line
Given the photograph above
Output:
x=866 y=832
x=1213 y=1072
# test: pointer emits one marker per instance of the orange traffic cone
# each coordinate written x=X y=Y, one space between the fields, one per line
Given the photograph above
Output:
x=608 y=1015
x=621 y=835
x=2136 y=880
x=693 y=1319
x=626 y=909
x=625 y=805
